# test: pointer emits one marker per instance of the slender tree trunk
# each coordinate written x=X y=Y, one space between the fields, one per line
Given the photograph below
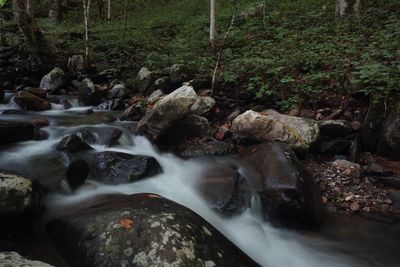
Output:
x=41 y=50
x=29 y=10
x=65 y=8
x=345 y=7
x=125 y=18
x=108 y=11
x=213 y=31
x=86 y=13
x=55 y=13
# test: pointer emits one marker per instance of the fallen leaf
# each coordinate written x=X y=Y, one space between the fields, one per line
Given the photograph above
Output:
x=126 y=223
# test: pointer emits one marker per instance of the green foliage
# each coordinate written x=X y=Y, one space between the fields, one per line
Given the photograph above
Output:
x=2 y=2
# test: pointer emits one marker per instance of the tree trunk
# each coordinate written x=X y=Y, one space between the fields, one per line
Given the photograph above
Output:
x=55 y=11
x=86 y=13
x=42 y=51
x=345 y=7
x=64 y=8
x=213 y=31
x=125 y=19
x=29 y=9
x=108 y=10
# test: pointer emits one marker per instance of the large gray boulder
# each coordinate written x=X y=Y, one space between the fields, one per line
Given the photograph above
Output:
x=13 y=259
x=53 y=80
x=12 y=132
x=298 y=132
x=142 y=230
x=144 y=80
x=389 y=140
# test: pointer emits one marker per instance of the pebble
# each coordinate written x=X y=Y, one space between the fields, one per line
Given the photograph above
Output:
x=355 y=206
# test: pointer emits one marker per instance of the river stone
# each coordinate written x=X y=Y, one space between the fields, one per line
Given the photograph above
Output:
x=12 y=132
x=389 y=140
x=32 y=102
x=89 y=94
x=142 y=230
x=189 y=127
x=76 y=63
x=117 y=91
x=335 y=128
x=179 y=73
x=202 y=105
x=285 y=187
x=134 y=112
x=144 y=80
x=105 y=135
x=211 y=148
x=373 y=122
x=2 y=94
x=166 y=112
x=73 y=143
x=18 y=195
x=13 y=259
x=337 y=146
x=53 y=80
x=114 y=104
x=259 y=127
x=39 y=92
x=155 y=96
x=76 y=174
x=121 y=168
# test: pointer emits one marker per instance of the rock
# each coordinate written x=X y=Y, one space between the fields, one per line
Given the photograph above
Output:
x=12 y=132
x=76 y=63
x=142 y=230
x=31 y=102
x=39 y=122
x=373 y=122
x=389 y=139
x=114 y=104
x=19 y=196
x=8 y=86
x=88 y=94
x=224 y=189
x=202 y=105
x=356 y=125
x=154 y=97
x=2 y=94
x=144 y=80
x=285 y=188
x=189 y=127
x=106 y=135
x=213 y=148
x=335 y=128
x=347 y=167
x=76 y=174
x=120 y=168
x=53 y=80
x=338 y=146
x=13 y=259
x=260 y=127
x=162 y=84
x=394 y=196
x=222 y=133
x=72 y=144
x=388 y=181
x=39 y=92
x=88 y=83
x=179 y=73
x=166 y=112
x=133 y=113
x=117 y=91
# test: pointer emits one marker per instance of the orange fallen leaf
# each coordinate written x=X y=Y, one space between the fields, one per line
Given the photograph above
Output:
x=126 y=223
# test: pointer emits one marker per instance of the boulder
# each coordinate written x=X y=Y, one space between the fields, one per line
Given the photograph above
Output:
x=389 y=139
x=336 y=146
x=163 y=84
x=121 y=168
x=77 y=172
x=284 y=186
x=224 y=189
x=261 y=128
x=29 y=101
x=202 y=105
x=8 y=86
x=39 y=92
x=114 y=104
x=12 y=132
x=189 y=127
x=154 y=97
x=13 y=259
x=335 y=128
x=166 y=112
x=211 y=148
x=144 y=80
x=76 y=63
x=179 y=73
x=53 y=80
x=133 y=113
x=142 y=230
x=373 y=122
x=19 y=196
x=73 y=143
x=39 y=122
x=89 y=94
x=117 y=91
x=106 y=135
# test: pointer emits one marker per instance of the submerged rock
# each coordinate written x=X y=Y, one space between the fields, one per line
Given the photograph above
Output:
x=53 y=80
x=73 y=143
x=12 y=132
x=142 y=230
x=120 y=168
x=32 y=102
x=13 y=259
x=76 y=174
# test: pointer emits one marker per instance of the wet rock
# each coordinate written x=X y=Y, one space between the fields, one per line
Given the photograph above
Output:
x=72 y=143
x=162 y=84
x=114 y=104
x=39 y=92
x=179 y=73
x=13 y=259
x=76 y=63
x=53 y=80
x=373 y=122
x=189 y=127
x=389 y=140
x=31 y=102
x=2 y=94
x=224 y=189
x=39 y=122
x=202 y=105
x=12 y=132
x=210 y=148
x=285 y=188
x=298 y=132
x=335 y=128
x=89 y=96
x=120 y=168
x=166 y=112
x=339 y=146
x=8 y=86
x=133 y=113
x=106 y=135
x=117 y=91
x=144 y=80
x=154 y=97
x=76 y=174
x=19 y=196
x=142 y=230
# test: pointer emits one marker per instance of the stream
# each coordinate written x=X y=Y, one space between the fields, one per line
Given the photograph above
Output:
x=343 y=241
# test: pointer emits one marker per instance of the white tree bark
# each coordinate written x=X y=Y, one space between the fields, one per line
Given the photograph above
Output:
x=86 y=13
x=345 y=7
x=29 y=9
x=213 y=30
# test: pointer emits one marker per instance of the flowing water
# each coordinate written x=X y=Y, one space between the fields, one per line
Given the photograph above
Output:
x=267 y=245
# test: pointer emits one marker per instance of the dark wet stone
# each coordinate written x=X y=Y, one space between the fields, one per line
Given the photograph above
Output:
x=12 y=132
x=37 y=92
x=209 y=148
x=333 y=146
x=8 y=86
x=76 y=174
x=2 y=94
x=142 y=230
x=13 y=112
x=335 y=128
x=134 y=112
x=189 y=127
x=32 y=102
x=72 y=143
x=114 y=104
x=120 y=168
x=89 y=96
